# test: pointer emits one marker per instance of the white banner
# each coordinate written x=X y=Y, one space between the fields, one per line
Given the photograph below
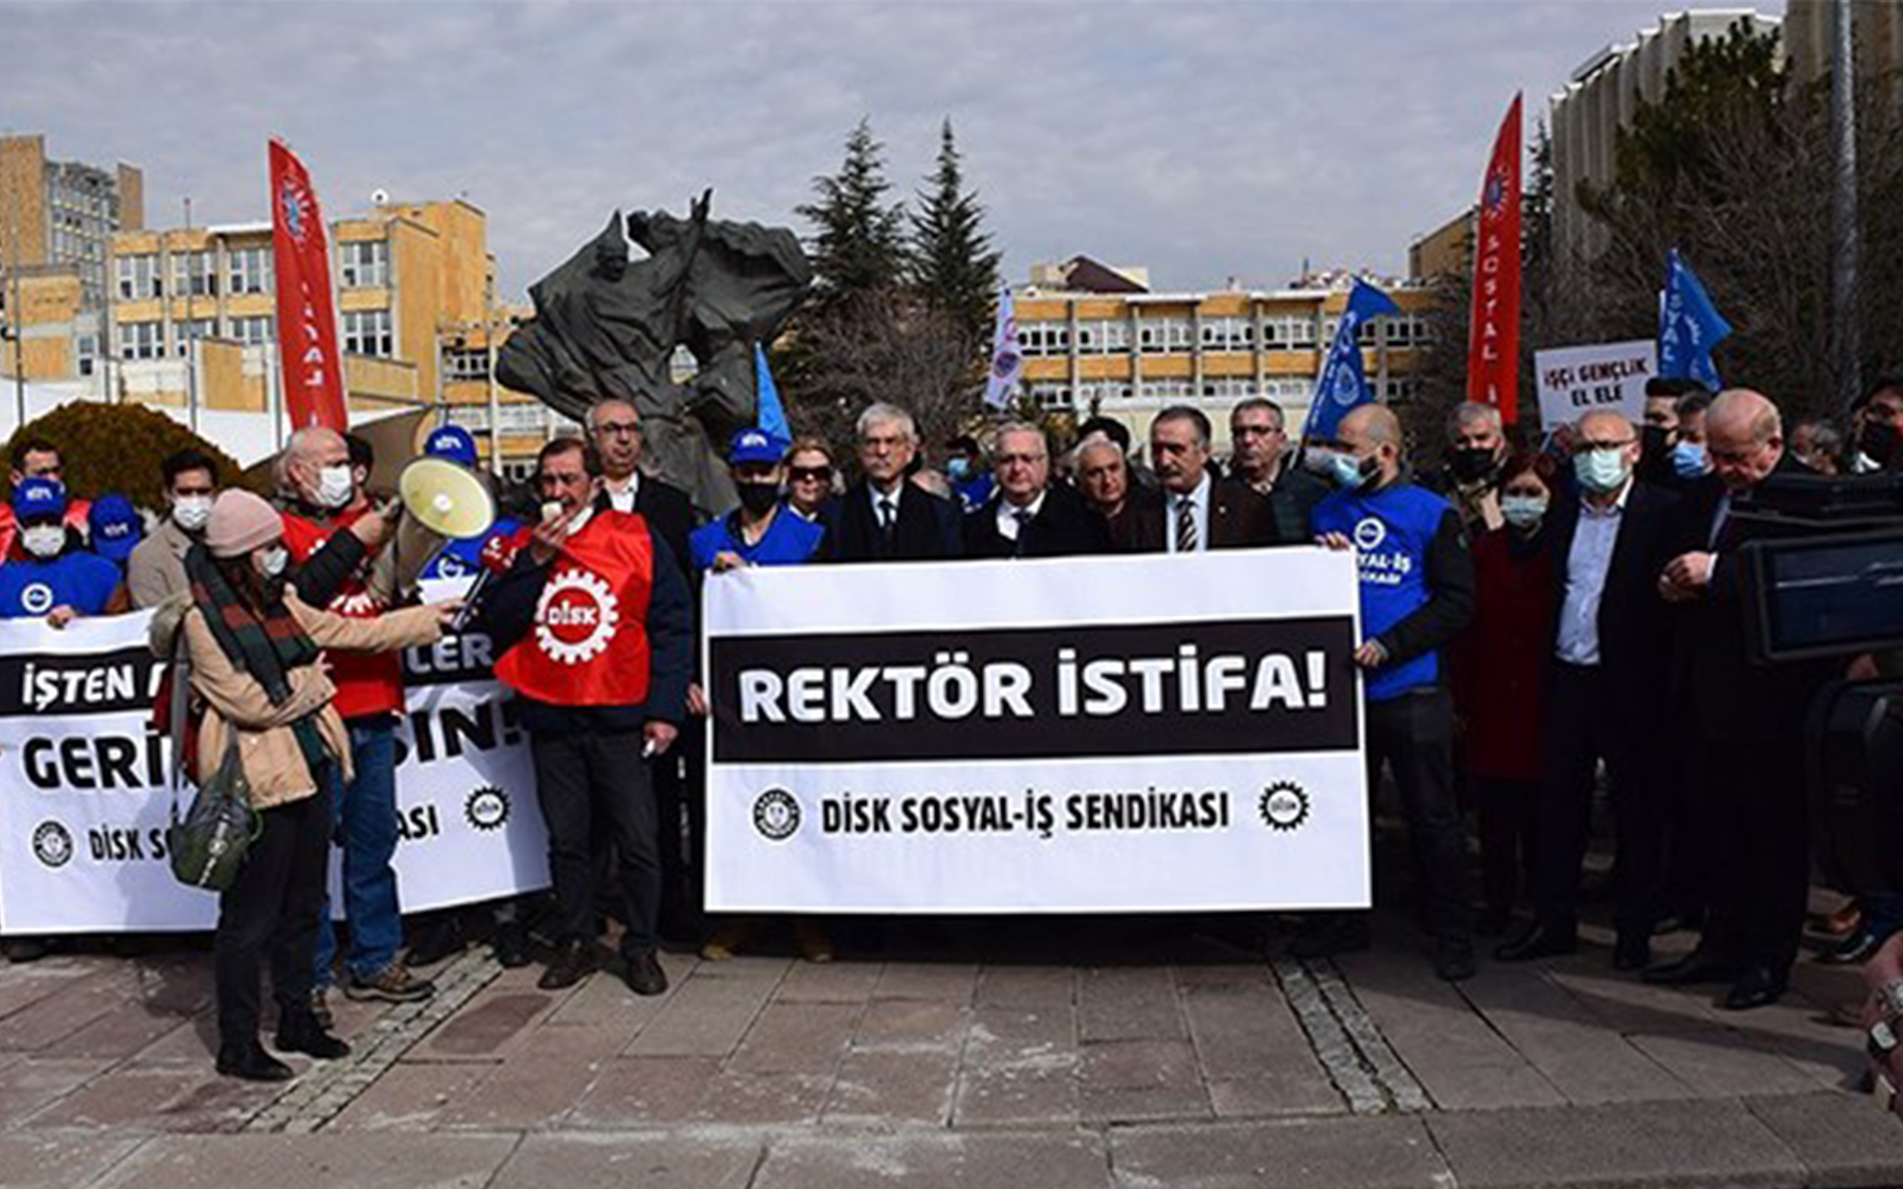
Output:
x=1103 y=734
x=84 y=798
x=1575 y=381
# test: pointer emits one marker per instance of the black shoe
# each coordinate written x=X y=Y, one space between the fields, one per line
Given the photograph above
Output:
x=1453 y=959
x=253 y=1064
x=1758 y=986
x=299 y=1032
x=26 y=949
x=1632 y=950
x=1853 y=950
x=1540 y=939
x=644 y=975
x=511 y=945
x=574 y=961
x=438 y=942
x=1699 y=966
x=1326 y=936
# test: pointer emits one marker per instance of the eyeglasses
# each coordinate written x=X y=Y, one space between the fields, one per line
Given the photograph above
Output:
x=618 y=429
x=810 y=474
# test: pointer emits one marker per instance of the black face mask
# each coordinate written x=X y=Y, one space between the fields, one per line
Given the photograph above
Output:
x=758 y=497
x=1882 y=443
x=1655 y=441
x=1473 y=464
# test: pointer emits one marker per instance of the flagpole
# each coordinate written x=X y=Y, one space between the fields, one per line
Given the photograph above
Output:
x=191 y=328
x=1846 y=331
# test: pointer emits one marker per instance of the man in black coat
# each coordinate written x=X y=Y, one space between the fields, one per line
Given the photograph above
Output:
x=1190 y=511
x=1608 y=544
x=884 y=517
x=1259 y=456
x=1027 y=516
x=1746 y=721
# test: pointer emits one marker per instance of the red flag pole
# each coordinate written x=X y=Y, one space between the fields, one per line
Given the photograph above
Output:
x=309 y=363
x=1493 y=343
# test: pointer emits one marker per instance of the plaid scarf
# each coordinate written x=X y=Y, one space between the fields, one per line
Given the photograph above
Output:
x=265 y=649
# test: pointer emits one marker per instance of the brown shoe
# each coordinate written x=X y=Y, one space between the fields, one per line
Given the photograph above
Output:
x=809 y=937
x=726 y=939
x=393 y=984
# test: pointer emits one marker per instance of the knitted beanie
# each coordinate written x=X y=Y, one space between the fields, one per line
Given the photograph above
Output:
x=240 y=522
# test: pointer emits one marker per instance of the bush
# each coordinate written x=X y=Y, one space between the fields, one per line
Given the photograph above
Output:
x=118 y=447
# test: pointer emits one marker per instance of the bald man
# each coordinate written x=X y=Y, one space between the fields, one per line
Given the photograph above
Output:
x=1417 y=594
x=1604 y=702
x=1748 y=774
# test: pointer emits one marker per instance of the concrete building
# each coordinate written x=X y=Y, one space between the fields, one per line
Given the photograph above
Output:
x=1128 y=354
x=1445 y=251
x=1876 y=28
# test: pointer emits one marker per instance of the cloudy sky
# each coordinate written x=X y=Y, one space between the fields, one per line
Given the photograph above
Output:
x=1205 y=140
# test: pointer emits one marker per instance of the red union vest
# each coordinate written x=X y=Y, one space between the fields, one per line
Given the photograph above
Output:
x=367 y=683
x=589 y=645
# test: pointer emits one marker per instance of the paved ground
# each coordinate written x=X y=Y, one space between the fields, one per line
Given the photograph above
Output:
x=1181 y=1064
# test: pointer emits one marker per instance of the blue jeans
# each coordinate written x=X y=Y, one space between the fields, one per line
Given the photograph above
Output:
x=363 y=813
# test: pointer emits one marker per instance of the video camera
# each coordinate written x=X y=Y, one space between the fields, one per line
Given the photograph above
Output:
x=1824 y=580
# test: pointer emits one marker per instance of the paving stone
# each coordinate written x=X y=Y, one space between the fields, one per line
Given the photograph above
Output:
x=641 y=1092
x=912 y=1024
x=410 y=1097
x=28 y=1085
x=797 y=1038
x=1271 y=1093
x=1138 y=1064
x=54 y=1017
x=1027 y=986
x=950 y=983
x=1367 y=1153
x=57 y=1160
x=1068 y=1161
x=1037 y=1084
x=488 y=1025
x=1245 y=1030
x=1721 y=1063
x=605 y=1001
x=536 y=1086
x=829 y=982
x=1456 y=1055
x=585 y=1161
x=1144 y=1104
x=705 y=1016
x=1842 y=1139
x=193 y=1041
x=886 y=1088
x=28 y=983
x=125 y=1031
x=1626 y=1143
x=1128 y=1003
x=312 y=1161
x=1224 y=974
x=160 y=1098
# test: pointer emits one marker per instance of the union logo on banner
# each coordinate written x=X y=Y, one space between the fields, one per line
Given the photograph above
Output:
x=296 y=206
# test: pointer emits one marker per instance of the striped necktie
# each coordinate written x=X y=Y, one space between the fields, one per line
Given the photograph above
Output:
x=1185 y=525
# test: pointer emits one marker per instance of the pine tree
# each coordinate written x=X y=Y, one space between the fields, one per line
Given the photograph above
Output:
x=953 y=267
x=858 y=243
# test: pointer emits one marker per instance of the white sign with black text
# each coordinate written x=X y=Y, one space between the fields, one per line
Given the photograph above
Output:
x=1575 y=381
x=1102 y=734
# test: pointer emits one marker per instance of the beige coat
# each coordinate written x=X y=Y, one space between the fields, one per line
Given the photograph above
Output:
x=267 y=747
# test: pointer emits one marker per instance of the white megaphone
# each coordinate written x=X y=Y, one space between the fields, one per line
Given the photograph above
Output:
x=442 y=502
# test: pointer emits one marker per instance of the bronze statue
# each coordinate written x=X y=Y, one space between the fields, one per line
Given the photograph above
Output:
x=605 y=326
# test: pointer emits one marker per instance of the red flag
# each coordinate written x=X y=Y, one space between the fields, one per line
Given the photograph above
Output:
x=307 y=319
x=1493 y=342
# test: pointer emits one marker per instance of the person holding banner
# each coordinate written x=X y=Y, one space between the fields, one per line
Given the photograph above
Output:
x=36 y=458
x=593 y=616
x=255 y=650
x=884 y=517
x=1191 y=511
x=56 y=579
x=1417 y=595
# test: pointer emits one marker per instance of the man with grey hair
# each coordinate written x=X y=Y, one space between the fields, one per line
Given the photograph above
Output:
x=1476 y=446
x=1103 y=478
x=1258 y=455
x=883 y=517
x=1191 y=510
x=1028 y=515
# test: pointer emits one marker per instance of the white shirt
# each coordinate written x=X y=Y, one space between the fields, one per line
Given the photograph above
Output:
x=880 y=498
x=1587 y=564
x=1008 y=523
x=622 y=500
x=1199 y=511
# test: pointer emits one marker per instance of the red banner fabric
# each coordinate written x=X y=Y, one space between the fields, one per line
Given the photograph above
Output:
x=307 y=318
x=1493 y=343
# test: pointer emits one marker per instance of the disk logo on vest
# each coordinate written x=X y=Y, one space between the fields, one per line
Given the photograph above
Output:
x=1369 y=534
x=37 y=598
x=52 y=844
x=576 y=617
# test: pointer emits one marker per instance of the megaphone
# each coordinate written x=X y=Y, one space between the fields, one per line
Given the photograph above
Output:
x=442 y=502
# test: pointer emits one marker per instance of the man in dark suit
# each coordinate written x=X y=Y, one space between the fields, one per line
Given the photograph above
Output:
x=1190 y=511
x=883 y=517
x=1609 y=664
x=614 y=431
x=1027 y=516
x=1746 y=722
x=1259 y=457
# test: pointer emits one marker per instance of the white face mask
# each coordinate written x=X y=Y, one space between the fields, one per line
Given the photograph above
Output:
x=44 y=540
x=274 y=560
x=334 y=486
x=191 y=512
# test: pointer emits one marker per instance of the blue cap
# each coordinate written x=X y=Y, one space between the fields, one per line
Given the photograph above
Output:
x=116 y=527
x=36 y=497
x=755 y=445
x=452 y=442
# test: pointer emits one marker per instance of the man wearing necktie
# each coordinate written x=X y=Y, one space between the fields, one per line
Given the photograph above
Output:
x=884 y=517
x=1191 y=510
x=1028 y=516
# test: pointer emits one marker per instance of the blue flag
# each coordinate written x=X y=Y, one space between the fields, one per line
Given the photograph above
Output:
x=1689 y=327
x=771 y=417
x=1343 y=384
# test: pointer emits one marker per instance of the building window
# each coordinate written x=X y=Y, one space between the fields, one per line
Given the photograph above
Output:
x=86 y=351
x=367 y=332
x=192 y=274
x=366 y=263
x=184 y=332
x=465 y=364
x=1157 y=336
x=141 y=340
x=139 y=277
x=1228 y=334
x=252 y=331
x=249 y=270
x=1051 y=396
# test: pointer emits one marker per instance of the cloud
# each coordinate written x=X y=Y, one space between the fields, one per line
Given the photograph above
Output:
x=1202 y=139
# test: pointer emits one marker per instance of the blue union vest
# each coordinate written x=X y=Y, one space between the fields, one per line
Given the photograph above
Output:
x=1391 y=530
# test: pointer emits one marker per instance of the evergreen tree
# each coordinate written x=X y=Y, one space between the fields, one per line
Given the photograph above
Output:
x=858 y=242
x=953 y=267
